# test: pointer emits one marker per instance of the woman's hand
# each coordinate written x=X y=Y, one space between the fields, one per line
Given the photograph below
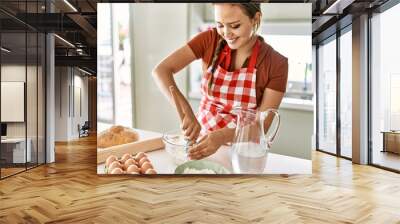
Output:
x=190 y=125
x=208 y=144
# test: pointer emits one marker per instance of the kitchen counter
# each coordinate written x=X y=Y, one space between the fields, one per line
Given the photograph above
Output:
x=276 y=164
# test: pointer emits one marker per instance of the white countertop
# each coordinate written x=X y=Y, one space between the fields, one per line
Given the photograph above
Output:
x=276 y=164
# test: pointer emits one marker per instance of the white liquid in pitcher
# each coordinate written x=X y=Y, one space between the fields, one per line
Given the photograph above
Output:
x=248 y=158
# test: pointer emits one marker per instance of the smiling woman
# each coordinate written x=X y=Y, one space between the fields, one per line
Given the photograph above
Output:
x=240 y=70
x=237 y=24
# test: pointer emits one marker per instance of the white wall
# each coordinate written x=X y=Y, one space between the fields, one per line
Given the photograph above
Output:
x=295 y=134
x=67 y=84
x=61 y=103
x=153 y=39
x=14 y=73
x=80 y=109
x=33 y=126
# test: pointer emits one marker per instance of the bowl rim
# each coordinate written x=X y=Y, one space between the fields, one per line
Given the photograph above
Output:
x=204 y=162
x=165 y=137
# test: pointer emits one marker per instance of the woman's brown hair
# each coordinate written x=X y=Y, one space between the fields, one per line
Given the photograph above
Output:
x=250 y=9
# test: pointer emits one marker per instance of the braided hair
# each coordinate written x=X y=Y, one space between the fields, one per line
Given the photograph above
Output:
x=250 y=9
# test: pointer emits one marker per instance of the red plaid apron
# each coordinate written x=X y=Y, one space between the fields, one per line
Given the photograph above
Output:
x=229 y=90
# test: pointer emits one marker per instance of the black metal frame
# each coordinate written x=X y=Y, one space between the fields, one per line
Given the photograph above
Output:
x=44 y=77
x=317 y=96
x=26 y=90
x=332 y=37
x=0 y=91
x=337 y=36
x=338 y=75
x=369 y=114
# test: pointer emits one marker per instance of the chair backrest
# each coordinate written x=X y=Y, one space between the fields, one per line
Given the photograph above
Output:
x=86 y=125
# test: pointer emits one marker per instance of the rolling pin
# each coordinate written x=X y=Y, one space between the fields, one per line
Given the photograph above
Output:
x=180 y=112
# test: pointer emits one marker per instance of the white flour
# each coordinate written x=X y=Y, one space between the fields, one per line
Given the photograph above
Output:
x=196 y=171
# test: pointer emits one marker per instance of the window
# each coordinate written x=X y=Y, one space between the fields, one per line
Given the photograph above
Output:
x=105 y=86
x=346 y=93
x=297 y=48
x=114 y=66
x=327 y=96
x=385 y=89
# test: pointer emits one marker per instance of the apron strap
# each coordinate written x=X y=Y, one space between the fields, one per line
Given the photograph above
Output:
x=225 y=54
x=254 y=54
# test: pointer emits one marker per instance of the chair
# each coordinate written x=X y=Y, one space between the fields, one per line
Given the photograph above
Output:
x=84 y=130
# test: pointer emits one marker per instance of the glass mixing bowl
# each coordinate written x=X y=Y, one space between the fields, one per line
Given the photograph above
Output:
x=175 y=146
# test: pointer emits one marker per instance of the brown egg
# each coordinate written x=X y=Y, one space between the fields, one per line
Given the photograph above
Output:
x=144 y=159
x=117 y=170
x=132 y=168
x=146 y=165
x=125 y=157
x=139 y=156
x=134 y=173
x=114 y=165
x=129 y=162
x=110 y=159
x=150 y=171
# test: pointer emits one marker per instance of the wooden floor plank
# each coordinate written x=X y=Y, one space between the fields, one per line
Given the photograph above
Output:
x=69 y=191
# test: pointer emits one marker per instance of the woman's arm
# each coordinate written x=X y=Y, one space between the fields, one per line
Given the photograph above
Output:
x=173 y=63
x=163 y=75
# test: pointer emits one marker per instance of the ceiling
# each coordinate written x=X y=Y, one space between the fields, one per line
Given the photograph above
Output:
x=332 y=15
x=76 y=22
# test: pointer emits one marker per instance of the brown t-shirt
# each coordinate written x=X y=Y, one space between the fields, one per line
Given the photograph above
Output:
x=272 y=67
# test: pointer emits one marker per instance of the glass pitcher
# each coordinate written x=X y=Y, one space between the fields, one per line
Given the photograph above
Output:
x=251 y=144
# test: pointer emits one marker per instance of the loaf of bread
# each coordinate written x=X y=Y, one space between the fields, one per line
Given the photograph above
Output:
x=116 y=135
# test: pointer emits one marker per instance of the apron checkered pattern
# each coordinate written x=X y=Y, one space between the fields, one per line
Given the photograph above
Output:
x=229 y=90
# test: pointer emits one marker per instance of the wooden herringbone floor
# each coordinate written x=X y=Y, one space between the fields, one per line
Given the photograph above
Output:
x=69 y=191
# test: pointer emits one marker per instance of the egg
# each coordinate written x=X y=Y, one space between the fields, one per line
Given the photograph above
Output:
x=117 y=171
x=144 y=159
x=132 y=168
x=125 y=157
x=133 y=173
x=139 y=156
x=146 y=165
x=129 y=162
x=150 y=171
x=110 y=159
x=114 y=165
